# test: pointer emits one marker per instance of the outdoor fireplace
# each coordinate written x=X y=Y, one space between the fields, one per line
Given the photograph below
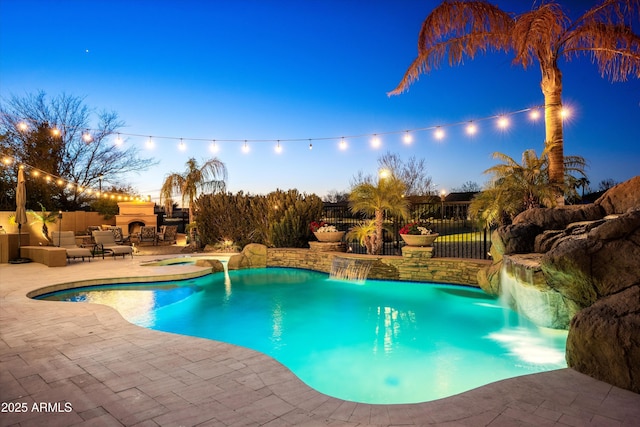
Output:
x=134 y=215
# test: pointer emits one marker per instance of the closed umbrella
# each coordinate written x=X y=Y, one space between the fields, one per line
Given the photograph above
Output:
x=21 y=212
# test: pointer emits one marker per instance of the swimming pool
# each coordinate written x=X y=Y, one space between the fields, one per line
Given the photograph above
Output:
x=377 y=342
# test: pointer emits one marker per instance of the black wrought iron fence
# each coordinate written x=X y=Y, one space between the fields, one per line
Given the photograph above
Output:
x=460 y=236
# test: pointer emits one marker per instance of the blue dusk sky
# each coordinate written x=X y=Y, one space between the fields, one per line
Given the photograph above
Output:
x=320 y=70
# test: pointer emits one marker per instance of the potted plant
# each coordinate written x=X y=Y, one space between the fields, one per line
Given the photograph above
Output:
x=326 y=232
x=418 y=234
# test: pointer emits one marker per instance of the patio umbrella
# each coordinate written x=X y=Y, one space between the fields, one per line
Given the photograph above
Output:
x=21 y=212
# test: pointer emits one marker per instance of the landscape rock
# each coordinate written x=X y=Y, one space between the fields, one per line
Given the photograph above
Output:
x=560 y=217
x=604 y=340
x=621 y=198
x=602 y=262
x=216 y=265
x=253 y=255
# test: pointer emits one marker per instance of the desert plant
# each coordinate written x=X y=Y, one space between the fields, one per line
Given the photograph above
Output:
x=45 y=218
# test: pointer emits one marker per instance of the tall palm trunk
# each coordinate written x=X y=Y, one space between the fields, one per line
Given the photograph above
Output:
x=552 y=89
x=377 y=245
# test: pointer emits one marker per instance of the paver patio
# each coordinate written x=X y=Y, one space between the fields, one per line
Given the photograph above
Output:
x=111 y=372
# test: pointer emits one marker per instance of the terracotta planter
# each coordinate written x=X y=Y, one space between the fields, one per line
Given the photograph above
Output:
x=329 y=237
x=419 y=239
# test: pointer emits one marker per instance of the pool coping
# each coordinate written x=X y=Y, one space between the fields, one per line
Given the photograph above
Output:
x=111 y=371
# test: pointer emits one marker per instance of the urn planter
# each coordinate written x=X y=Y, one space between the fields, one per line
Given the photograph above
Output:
x=419 y=239
x=335 y=236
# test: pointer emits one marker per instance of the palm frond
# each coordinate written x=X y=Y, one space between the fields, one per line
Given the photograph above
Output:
x=454 y=30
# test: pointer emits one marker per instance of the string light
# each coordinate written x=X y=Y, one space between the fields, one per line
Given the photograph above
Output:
x=86 y=136
x=36 y=173
x=503 y=122
x=376 y=140
x=278 y=148
x=213 y=147
x=55 y=132
x=471 y=129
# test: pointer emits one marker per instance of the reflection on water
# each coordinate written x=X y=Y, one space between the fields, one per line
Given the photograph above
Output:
x=374 y=342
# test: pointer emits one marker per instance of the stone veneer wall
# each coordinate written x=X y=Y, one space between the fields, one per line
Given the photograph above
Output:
x=409 y=267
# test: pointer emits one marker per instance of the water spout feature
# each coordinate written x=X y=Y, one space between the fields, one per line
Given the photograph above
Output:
x=350 y=268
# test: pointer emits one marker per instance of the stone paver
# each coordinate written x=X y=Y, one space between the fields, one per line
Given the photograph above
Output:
x=67 y=364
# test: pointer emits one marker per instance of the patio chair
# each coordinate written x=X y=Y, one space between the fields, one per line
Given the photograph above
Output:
x=67 y=240
x=119 y=236
x=168 y=233
x=106 y=242
x=148 y=234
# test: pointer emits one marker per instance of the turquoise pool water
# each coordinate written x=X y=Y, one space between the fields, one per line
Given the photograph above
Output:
x=377 y=342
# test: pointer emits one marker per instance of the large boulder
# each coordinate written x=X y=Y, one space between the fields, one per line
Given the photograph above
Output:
x=603 y=261
x=253 y=255
x=604 y=340
x=621 y=198
x=558 y=218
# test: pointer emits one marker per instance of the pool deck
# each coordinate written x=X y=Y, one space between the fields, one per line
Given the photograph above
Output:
x=112 y=373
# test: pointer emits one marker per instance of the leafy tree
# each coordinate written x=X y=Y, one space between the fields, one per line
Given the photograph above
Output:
x=58 y=136
x=208 y=177
x=387 y=196
x=456 y=30
x=516 y=187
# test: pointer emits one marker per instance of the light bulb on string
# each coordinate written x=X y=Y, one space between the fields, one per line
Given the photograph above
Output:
x=23 y=126
x=245 y=147
x=503 y=122
x=182 y=146
x=213 y=147
x=471 y=129
x=439 y=133
x=150 y=143
x=534 y=114
x=118 y=140
x=375 y=141
x=278 y=148
x=55 y=132
x=343 y=144
x=310 y=145
x=86 y=137
x=407 y=139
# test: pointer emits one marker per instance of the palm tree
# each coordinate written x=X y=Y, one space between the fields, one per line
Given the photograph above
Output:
x=45 y=218
x=516 y=187
x=458 y=29
x=387 y=196
x=210 y=177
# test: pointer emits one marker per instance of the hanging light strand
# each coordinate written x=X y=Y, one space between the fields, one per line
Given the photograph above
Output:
x=407 y=134
x=52 y=179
